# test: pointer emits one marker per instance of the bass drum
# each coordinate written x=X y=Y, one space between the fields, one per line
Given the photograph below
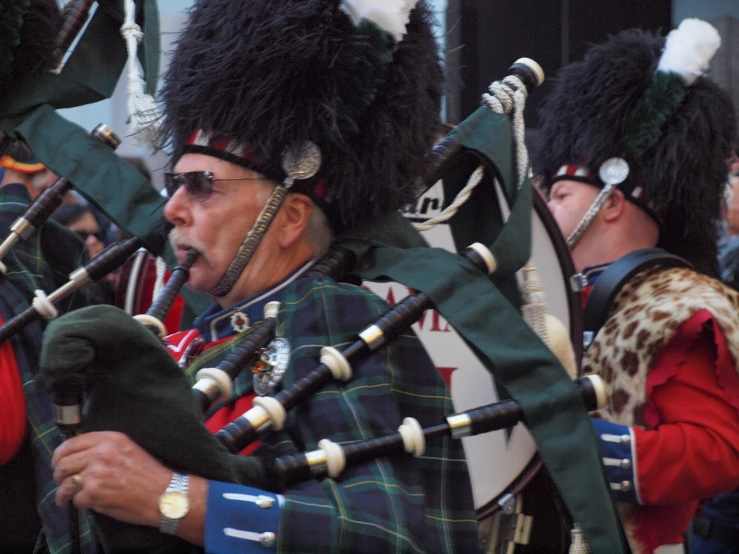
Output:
x=135 y=291
x=517 y=504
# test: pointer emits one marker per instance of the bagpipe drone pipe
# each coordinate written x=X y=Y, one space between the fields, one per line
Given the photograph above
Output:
x=108 y=261
x=51 y=198
x=119 y=393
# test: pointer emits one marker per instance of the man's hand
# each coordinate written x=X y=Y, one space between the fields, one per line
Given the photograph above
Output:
x=116 y=477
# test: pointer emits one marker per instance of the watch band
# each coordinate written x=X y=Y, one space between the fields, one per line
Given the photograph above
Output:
x=179 y=484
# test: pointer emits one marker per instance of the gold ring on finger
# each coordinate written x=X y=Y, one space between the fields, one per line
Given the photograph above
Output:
x=76 y=481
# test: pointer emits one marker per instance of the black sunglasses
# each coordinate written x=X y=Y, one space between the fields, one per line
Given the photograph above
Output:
x=198 y=184
x=100 y=235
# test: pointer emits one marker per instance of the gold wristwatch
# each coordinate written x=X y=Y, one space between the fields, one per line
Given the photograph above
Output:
x=174 y=504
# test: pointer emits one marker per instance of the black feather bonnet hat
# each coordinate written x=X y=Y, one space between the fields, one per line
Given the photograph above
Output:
x=28 y=34
x=250 y=78
x=644 y=99
x=28 y=39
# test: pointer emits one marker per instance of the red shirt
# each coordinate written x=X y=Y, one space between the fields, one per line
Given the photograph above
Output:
x=12 y=404
x=690 y=447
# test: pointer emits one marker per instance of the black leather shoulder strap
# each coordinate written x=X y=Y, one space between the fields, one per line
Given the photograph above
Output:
x=615 y=276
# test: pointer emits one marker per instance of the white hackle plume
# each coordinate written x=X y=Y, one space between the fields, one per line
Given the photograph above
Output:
x=142 y=110
x=390 y=15
x=689 y=49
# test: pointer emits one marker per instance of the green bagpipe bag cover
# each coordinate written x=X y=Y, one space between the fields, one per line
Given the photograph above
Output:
x=133 y=385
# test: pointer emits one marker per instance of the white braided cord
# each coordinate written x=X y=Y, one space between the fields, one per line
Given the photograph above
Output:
x=452 y=208
x=142 y=110
x=589 y=216
x=510 y=96
x=507 y=97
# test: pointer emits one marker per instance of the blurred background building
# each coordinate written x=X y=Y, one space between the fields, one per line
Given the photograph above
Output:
x=485 y=36
x=481 y=39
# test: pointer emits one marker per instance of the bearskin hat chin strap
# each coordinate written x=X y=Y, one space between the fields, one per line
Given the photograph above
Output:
x=612 y=172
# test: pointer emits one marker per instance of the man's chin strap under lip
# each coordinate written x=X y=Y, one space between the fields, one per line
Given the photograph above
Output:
x=251 y=242
x=589 y=216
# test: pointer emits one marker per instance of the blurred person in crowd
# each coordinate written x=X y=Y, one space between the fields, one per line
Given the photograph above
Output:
x=43 y=262
x=81 y=219
x=728 y=256
x=21 y=167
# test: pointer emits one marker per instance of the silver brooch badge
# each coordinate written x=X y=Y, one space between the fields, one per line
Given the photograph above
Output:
x=271 y=366
x=613 y=171
x=239 y=321
x=301 y=161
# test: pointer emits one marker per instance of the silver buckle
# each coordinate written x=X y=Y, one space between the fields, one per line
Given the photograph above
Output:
x=578 y=282
x=587 y=338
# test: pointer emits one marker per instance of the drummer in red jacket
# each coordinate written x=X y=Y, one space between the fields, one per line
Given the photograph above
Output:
x=635 y=140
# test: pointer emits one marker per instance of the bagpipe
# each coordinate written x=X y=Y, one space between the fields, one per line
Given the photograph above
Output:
x=157 y=312
x=484 y=311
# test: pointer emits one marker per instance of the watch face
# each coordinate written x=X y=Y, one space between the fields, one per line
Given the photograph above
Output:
x=174 y=504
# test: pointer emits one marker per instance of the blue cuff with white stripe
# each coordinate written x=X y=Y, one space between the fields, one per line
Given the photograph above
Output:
x=240 y=519
x=617 y=447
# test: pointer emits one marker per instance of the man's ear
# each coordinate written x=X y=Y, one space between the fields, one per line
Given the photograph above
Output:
x=613 y=208
x=296 y=211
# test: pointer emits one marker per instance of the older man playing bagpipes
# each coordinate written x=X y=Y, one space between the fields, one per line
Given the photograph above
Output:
x=237 y=149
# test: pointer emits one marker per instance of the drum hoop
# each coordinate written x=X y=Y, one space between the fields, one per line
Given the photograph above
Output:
x=514 y=489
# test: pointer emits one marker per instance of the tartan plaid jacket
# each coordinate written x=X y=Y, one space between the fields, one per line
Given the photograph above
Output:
x=43 y=261
x=397 y=504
